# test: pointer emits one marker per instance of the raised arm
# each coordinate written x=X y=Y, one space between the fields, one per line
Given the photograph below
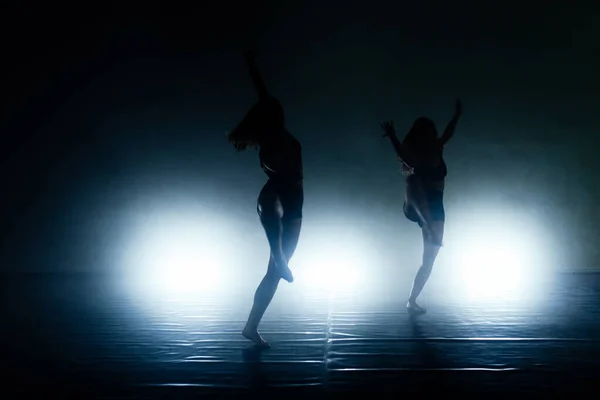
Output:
x=401 y=152
x=257 y=80
x=451 y=127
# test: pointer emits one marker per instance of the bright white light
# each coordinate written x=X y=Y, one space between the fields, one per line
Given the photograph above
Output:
x=494 y=266
x=179 y=254
x=330 y=265
x=328 y=273
x=184 y=263
x=498 y=257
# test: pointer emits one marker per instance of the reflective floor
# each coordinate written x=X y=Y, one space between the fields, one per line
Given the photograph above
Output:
x=91 y=335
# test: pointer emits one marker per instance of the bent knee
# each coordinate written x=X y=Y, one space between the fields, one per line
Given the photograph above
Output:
x=272 y=273
x=272 y=276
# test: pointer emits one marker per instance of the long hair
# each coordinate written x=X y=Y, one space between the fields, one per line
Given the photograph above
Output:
x=422 y=137
x=264 y=118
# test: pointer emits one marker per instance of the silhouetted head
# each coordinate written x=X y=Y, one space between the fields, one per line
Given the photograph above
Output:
x=422 y=136
x=263 y=120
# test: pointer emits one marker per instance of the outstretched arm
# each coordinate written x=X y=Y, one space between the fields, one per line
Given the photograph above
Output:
x=257 y=80
x=401 y=152
x=451 y=127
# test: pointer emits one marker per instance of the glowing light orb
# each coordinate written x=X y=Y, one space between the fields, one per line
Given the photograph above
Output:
x=179 y=253
x=330 y=266
x=185 y=264
x=332 y=275
x=496 y=258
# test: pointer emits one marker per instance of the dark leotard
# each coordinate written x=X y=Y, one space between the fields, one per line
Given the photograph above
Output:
x=435 y=197
x=281 y=159
x=280 y=156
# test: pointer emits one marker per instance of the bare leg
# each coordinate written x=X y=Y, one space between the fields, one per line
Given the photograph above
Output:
x=270 y=217
x=430 y=252
x=268 y=286
x=417 y=198
x=291 y=235
x=262 y=298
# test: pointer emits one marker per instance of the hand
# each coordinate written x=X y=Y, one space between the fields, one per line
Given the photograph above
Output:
x=458 y=108
x=388 y=128
x=240 y=146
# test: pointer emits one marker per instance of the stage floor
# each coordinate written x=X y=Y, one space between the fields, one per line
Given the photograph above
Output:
x=80 y=333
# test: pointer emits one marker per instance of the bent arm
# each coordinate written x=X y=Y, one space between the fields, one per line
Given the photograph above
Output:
x=449 y=132
x=451 y=127
x=401 y=151
x=257 y=80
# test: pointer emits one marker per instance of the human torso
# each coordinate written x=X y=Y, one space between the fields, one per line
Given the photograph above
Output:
x=431 y=169
x=281 y=158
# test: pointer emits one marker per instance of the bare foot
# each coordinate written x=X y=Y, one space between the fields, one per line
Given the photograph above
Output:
x=413 y=308
x=284 y=271
x=286 y=274
x=254 y=336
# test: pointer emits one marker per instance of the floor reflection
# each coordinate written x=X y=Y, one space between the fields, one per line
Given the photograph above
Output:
x=77 y=331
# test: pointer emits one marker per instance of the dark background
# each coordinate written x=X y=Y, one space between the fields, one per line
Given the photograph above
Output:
x=114 y=109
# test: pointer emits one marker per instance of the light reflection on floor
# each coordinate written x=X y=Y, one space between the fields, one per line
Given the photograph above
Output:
x=85 y=331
